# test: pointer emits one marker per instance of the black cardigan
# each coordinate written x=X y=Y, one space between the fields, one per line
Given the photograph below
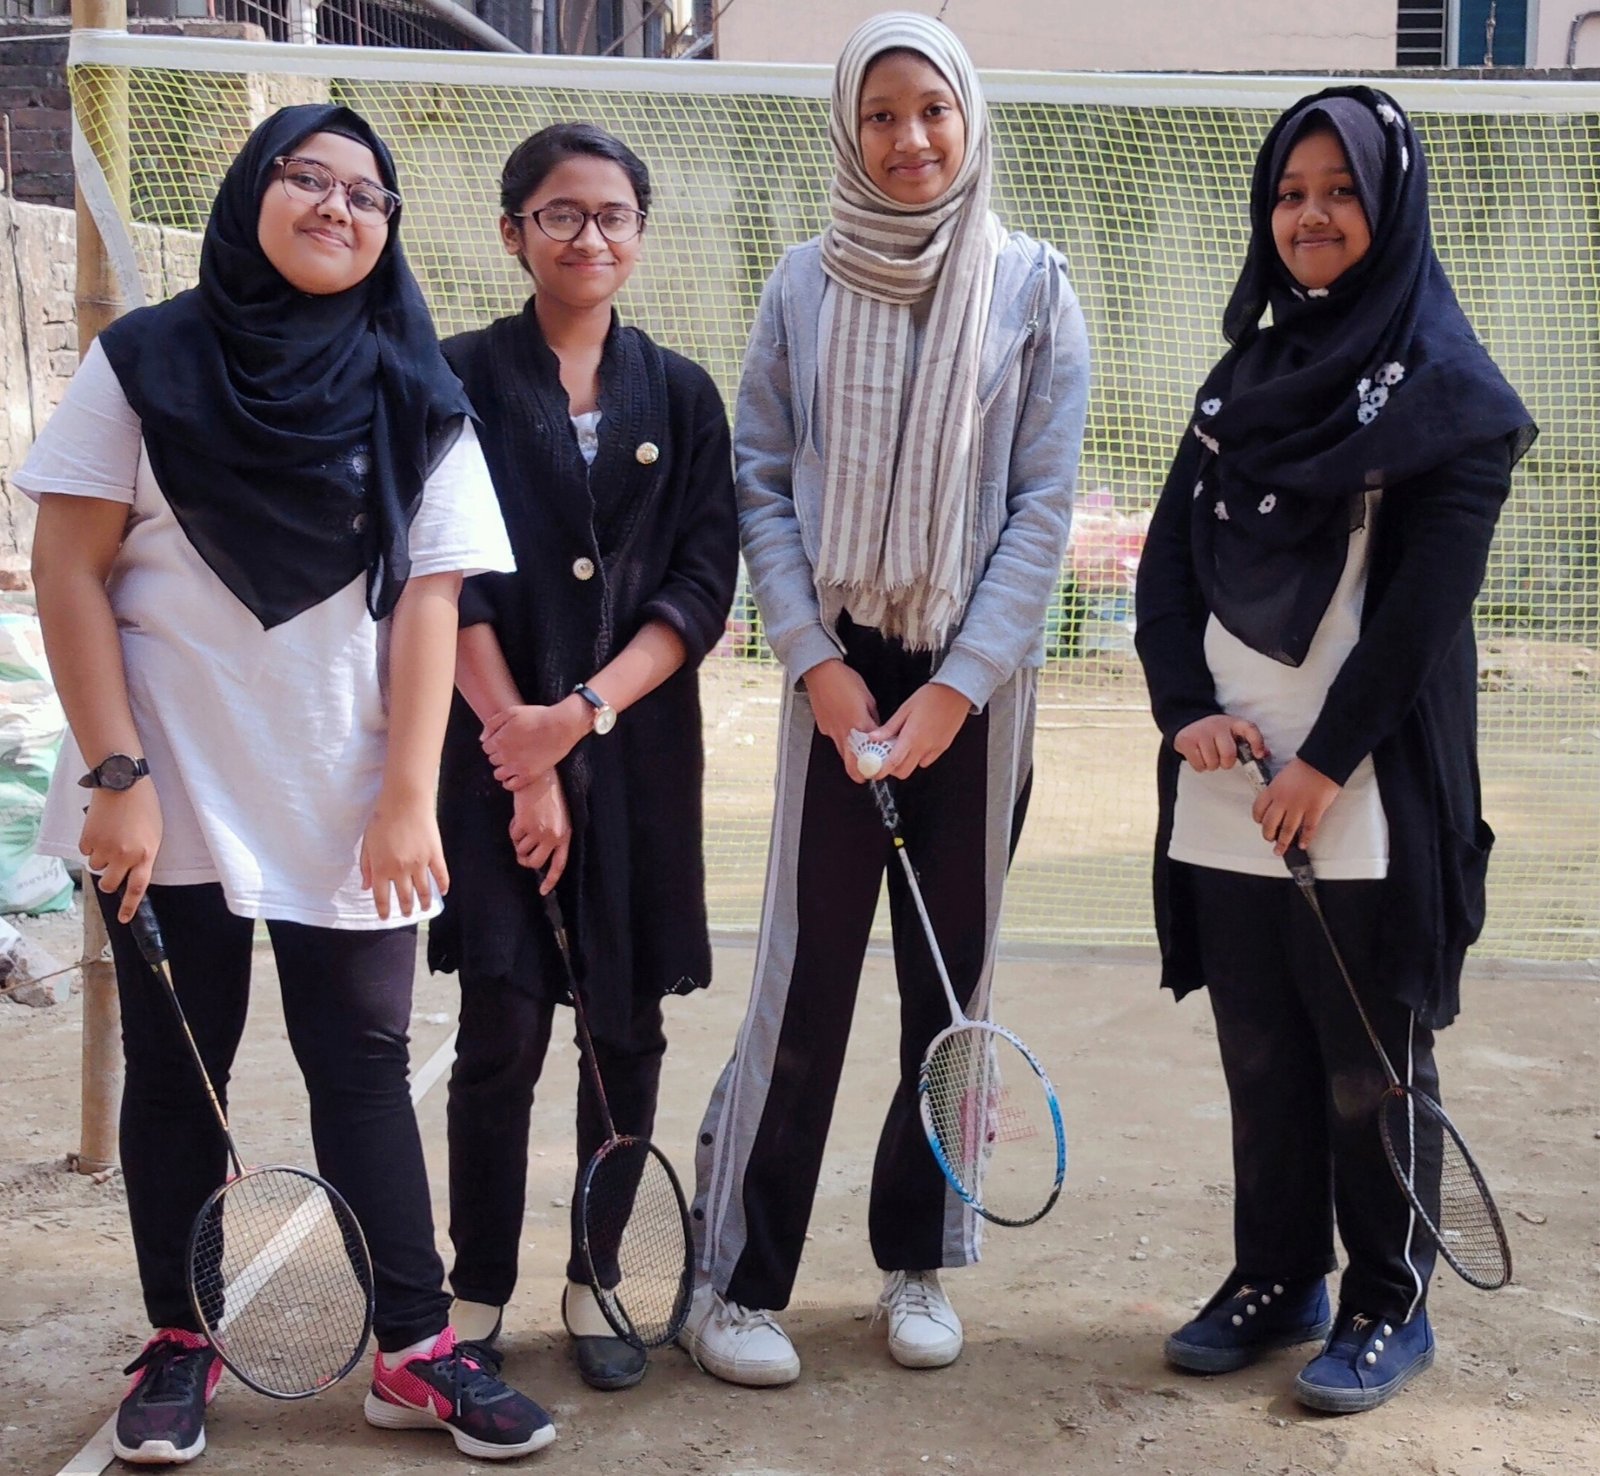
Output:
x=1406 y=694
x=660 y=530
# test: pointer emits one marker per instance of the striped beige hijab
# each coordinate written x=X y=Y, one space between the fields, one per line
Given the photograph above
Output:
x=900 y=424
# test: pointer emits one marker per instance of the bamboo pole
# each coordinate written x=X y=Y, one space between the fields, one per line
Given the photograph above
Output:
x=101 y=106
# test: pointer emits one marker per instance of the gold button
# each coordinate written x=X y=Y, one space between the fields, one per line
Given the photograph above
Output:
x=583 y=568
x=648 y=453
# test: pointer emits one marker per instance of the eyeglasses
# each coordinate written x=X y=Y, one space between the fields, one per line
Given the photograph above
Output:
x=310 y=183
x=566 y=222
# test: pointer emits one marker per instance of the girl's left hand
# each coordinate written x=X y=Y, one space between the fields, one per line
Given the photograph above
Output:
x=526 y=742
x=1294 y=804
x=923 y=726
x=401 y=849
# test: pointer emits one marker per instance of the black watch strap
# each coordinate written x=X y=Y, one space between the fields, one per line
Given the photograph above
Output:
x=117 y=771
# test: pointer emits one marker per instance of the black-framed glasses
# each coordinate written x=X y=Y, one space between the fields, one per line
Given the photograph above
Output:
x=617 y=223
x=310 y=183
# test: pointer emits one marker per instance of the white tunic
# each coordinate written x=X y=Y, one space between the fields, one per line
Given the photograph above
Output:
x=266 y=747
x=1211 y=824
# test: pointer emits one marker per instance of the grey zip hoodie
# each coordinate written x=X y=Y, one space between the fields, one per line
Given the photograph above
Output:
x=1033 y=387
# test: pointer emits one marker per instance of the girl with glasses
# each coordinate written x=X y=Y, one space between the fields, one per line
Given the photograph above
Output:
x=257 y=505
x=574 y=758
x=907 y=437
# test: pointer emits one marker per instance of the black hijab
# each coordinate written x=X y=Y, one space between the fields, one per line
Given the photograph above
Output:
x=1356 y=387
x=290 y=433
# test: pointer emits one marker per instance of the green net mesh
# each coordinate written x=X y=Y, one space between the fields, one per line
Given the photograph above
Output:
x=1147 y=203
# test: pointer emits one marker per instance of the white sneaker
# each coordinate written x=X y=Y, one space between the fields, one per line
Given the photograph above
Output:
x=740 y=1344
x=924 y=1331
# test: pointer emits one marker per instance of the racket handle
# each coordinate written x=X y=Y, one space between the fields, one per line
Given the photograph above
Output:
x=147 y=934
x=888 y=811
x=1296 y=857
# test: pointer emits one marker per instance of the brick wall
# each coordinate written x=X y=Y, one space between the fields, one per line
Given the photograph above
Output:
x=33 y=96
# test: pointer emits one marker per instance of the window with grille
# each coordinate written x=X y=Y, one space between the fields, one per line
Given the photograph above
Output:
x=1422 y=36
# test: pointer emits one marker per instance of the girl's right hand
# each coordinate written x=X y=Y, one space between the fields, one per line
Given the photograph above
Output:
x=1210 y=743
x=840 y=701
x=121 y=835
x=541 y=828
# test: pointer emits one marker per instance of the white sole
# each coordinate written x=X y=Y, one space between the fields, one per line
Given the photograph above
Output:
x=387 y=1416
x=910 y=1357
x=158 y=1452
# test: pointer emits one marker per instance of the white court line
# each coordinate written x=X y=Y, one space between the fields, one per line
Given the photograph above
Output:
x=97 y=1454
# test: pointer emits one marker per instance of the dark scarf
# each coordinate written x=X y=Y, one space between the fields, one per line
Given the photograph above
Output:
x=1357 y=387
x=290 y=433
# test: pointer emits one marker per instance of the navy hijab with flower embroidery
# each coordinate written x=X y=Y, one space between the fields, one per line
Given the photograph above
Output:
x=1352 y=388
x=291 y=434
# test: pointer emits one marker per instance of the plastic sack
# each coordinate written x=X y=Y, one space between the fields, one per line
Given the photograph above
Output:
x=31 y=725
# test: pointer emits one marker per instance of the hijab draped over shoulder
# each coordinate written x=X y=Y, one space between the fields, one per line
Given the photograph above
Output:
x=900 y=420
x=290 y=433
x=1352 y=388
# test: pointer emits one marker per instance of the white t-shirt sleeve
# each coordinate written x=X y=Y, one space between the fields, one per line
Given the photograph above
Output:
x=90 y=446
x=458 y=528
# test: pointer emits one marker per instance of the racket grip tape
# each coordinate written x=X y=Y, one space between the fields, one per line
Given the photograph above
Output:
x=147 y=934
x=1296 y=857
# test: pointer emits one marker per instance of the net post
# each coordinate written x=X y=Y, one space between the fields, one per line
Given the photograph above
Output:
x=103 y=108
x=102 y=1047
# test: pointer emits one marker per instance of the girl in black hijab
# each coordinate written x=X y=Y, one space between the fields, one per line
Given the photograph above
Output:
x=1307 y=586
x=257 y=505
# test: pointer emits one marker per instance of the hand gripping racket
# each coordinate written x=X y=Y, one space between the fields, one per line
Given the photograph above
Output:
x=633 y=1222
x=1000 y=1143
x=1464 y=1221
x=279 y=1275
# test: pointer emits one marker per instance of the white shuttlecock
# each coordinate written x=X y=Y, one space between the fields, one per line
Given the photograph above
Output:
x=869 y=755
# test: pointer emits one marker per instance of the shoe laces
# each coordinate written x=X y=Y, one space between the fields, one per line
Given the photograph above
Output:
x=474 y=1370
x=173 y=1371
x=748 y=1319
x=913 y=1293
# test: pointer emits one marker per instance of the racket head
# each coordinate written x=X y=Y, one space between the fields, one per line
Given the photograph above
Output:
x=993 y=1121
x=637 y=1243
x=1464 y=1222
x=281 y=1281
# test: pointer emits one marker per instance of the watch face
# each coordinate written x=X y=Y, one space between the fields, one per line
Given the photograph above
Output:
x=118 y=772
x=605 y=719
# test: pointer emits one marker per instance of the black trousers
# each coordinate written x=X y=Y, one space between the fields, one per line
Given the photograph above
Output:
x=500 y=1053
x=347 y=1007
x=764 y=1132
x=1305 y=1082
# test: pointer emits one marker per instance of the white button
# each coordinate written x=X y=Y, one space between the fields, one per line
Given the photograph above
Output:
x=1250 y=1308
x=1277 y=1289
x=1371 y=1359
x=1238 y=1321
x=583 y=568
x=1388 y=1331
x=1377 y=1343
x=647 y=454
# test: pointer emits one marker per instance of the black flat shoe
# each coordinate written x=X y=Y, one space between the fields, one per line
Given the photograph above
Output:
x=604 y=1361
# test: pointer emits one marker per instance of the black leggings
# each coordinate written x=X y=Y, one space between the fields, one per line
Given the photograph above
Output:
x=500 y=1052
x=347 y=1005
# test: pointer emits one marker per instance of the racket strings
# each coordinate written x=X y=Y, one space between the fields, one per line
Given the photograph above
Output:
x=992 y=1118
x=1440 y=1177
x=282 y=1280
x=636 y=1239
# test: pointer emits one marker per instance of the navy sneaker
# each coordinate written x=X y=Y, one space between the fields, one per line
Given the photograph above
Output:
x=162 y=1418
x=1247 y=1318
x=1367 y=1362
x=457 y=1387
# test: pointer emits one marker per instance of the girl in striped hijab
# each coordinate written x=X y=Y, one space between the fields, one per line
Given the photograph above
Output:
x=907 y=438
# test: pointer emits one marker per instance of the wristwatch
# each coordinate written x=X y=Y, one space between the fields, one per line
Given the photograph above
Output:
x=118 y=772
x=605 y=715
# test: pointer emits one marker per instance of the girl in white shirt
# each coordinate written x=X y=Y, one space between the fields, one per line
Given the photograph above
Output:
x=257 y=504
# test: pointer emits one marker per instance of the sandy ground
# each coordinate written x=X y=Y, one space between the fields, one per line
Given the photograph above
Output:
x=1062 y=1369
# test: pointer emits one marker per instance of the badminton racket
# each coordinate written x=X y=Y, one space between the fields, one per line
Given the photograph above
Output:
x=1463 y=1220
x=988 y=1109
x=633 y=1221
x=278 y=1269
